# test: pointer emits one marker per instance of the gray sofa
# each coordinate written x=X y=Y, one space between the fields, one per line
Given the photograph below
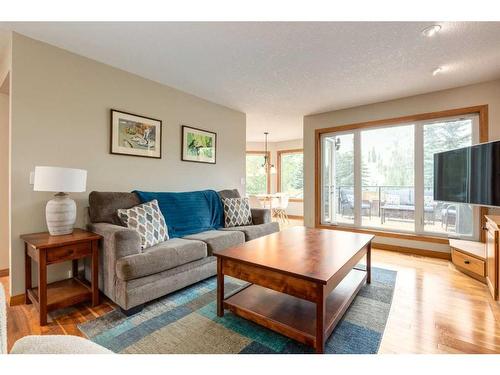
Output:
x=131 y=277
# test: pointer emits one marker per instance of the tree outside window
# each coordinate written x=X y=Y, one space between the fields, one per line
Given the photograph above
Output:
x=291 y=173
x=256 y=176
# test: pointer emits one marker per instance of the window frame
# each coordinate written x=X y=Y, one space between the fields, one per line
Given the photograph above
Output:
x=268 y=174
x=481 y=111
x=280 y=153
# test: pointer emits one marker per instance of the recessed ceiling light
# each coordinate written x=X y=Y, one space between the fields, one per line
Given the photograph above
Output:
x=437 y=71
x=431 y=30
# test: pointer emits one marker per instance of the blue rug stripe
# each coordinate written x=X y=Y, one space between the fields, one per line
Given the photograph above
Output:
x=245 y=328
x=348 y=338
x=135 y=333
x=116 y=338
x=257 y=348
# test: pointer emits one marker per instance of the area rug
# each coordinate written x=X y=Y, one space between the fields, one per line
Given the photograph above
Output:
x=186 y=322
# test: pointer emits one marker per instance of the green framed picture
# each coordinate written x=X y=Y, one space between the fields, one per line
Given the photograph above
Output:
x=198 y=145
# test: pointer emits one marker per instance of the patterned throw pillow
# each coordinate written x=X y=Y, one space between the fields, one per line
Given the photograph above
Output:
x=147 y=220
x=236 y=212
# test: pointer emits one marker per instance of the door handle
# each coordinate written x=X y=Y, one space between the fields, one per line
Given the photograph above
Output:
x=467 y=261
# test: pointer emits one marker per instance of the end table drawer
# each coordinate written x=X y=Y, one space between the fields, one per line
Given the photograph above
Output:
x=64 y=253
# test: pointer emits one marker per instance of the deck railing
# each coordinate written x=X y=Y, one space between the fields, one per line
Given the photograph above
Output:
x=376 y=196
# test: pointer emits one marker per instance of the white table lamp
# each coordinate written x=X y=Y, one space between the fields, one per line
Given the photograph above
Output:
x=60 y=212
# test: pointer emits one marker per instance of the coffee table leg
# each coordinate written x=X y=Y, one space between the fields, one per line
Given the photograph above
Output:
x=369 y=263
x=220 y=288
x=320 y=322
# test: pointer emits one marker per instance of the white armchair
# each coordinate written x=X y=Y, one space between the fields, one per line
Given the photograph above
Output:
x=50 y=344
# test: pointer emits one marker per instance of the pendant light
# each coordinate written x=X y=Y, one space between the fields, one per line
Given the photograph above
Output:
x=267 y=163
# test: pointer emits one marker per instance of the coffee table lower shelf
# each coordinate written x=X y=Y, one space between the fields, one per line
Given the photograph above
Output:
x=292 y=316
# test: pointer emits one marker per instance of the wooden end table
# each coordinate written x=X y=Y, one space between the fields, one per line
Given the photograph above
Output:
x=45 y=250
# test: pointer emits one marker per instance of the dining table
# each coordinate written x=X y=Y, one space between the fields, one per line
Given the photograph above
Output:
x=267 y=199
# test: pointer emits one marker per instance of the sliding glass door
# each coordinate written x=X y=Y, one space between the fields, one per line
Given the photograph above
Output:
x=382 y=178
x=338 y=179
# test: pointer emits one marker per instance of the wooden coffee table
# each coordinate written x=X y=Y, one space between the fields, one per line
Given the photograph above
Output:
x=301 y=280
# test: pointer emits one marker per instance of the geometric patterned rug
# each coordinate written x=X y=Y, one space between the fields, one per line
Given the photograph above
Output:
x=185 y=322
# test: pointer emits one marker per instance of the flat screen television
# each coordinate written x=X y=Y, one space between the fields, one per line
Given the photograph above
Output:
x=468 y=175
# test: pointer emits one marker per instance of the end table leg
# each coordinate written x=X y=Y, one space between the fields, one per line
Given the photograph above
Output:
x=42 y=286
x=220 y=288
x=369 y=263
x=320 y=321
x=95 y=274
x=27 y=274
x=75 y=268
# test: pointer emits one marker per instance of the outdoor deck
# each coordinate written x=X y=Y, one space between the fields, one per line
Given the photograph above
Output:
x=396 y=224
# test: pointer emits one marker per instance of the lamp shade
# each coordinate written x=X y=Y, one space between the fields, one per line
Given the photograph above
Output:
x=57 y=179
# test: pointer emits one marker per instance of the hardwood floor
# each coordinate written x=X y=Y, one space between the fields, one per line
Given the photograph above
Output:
x=22 y=320
x=435 y=309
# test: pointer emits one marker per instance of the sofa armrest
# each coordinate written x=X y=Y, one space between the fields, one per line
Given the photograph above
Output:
x=260 y=215
x=117 y=241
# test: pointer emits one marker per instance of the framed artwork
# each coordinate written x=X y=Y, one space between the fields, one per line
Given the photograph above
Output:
x=198 y=145
x=135 y=135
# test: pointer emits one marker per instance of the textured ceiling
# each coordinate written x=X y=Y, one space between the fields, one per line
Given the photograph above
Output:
x=276 y=72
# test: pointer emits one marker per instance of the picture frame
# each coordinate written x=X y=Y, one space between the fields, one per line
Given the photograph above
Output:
x=135 y=135
x=198 y=145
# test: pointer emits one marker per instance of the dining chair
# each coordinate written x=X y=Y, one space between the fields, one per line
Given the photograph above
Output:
x=280 y=204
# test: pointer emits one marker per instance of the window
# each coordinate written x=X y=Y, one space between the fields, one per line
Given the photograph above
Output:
x=387 y=177
x=291 y=173
x=257 y=179
x=382 y=177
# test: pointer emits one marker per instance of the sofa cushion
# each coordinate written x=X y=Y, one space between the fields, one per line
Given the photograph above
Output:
x=236 y=212
x=252 y=232
x=147 y=220
x=218 y=239
x=161 y=257
x=261 y=215
x=103 y=206
x=229 y=193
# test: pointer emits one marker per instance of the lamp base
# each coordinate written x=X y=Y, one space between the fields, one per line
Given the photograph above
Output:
x=60 y=214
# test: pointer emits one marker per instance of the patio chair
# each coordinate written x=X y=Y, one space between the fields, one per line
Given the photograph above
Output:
x=448 y=215
x=347 y=201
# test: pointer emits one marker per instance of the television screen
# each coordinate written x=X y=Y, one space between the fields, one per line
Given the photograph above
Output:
x=468 y=175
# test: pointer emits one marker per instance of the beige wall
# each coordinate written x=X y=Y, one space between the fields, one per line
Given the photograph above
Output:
x=4 y=181
x=60 y=117
x=294 y=208
x=5 y=61
x=483 y=93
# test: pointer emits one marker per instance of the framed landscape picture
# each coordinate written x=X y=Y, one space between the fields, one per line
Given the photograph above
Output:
x=198 y=145
x=135 y=135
